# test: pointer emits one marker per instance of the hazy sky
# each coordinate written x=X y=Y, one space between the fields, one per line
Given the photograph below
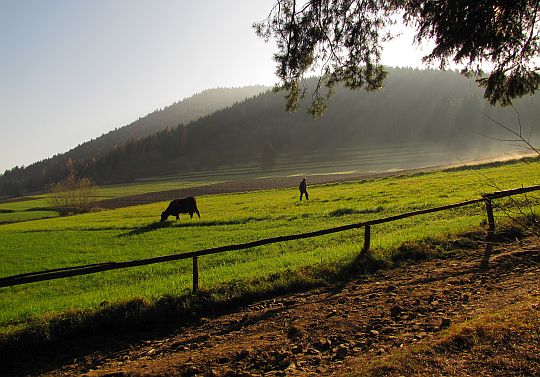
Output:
x=71 y=70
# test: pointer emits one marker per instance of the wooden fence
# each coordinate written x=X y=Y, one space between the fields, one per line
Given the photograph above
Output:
x=99 y=267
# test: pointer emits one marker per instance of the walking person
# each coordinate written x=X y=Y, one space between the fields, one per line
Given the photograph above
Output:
x=303 y=189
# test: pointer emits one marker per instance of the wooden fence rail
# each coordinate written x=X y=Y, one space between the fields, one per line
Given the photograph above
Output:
x=60 y=273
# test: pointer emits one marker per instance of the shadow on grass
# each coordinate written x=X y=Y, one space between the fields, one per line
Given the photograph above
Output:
x=147 y=228
x=190 y=223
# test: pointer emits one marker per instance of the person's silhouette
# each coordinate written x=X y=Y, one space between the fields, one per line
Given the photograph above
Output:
x=303 y=189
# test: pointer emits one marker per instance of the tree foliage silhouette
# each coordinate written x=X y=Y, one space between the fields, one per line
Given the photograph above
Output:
x=343 y=38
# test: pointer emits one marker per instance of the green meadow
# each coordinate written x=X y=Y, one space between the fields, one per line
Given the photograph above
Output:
x=135 y=233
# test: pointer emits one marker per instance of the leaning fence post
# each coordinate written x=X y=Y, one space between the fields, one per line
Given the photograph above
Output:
x=195 y=275
x=367 y=240
x=490 y=232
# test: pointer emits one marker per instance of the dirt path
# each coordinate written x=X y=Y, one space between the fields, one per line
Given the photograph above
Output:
x=325 y=331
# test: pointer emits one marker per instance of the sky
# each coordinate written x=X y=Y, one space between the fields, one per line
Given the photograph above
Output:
x=71 y=70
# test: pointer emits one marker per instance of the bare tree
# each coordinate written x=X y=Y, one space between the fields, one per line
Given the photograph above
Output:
x=516 y=136
x=72 y=194
x=520 y=210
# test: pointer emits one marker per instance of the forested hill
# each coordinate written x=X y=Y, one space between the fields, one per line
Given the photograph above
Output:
x=181 y=112
x=416 y=106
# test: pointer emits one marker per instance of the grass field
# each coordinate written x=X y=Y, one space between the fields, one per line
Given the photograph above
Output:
x=133 y=233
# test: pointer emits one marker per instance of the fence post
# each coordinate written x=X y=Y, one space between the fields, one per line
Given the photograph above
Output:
x=367 y=240
x=195 y=275
x=490 y=232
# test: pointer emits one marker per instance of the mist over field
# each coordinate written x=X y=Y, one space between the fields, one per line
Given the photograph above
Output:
x=420 y=118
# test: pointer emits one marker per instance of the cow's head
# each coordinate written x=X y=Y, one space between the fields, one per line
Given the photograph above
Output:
x=164 y=216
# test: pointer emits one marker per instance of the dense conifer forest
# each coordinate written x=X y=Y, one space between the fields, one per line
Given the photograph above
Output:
x=441 y=108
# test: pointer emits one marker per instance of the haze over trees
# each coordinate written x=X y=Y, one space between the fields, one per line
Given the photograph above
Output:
x=441 y=108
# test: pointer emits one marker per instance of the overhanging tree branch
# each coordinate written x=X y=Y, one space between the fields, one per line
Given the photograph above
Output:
x=346 y=36
x=518 y=134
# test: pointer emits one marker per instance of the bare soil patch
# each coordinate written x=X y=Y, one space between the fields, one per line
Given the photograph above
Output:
x=334 y=330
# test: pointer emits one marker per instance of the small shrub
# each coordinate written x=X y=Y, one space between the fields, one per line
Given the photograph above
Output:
x=371 y=210
x=72 y=194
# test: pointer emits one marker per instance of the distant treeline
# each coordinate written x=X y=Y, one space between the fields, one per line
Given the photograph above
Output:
x=416 y=106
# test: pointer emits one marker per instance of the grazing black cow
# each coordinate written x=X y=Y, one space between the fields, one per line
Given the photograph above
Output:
x=178 y=206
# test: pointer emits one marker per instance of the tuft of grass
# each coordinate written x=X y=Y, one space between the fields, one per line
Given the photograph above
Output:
x=351 y=211
x=342 y=212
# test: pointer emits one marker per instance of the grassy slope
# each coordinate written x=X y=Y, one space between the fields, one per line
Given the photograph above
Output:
x=132 y=233
x=32 y=209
